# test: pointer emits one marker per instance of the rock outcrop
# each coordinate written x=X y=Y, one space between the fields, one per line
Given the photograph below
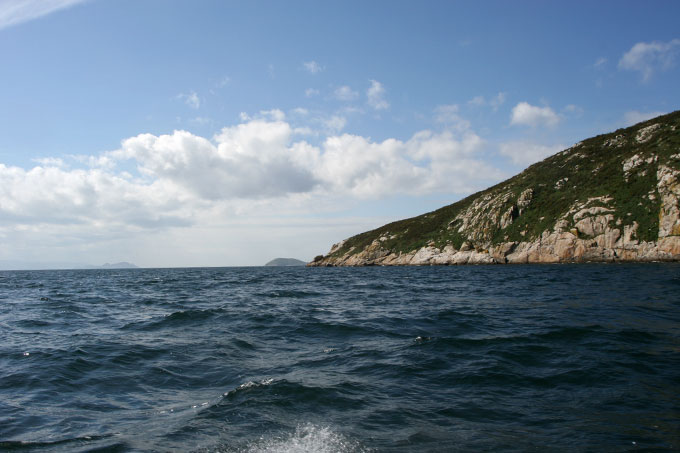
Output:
x=611 y=198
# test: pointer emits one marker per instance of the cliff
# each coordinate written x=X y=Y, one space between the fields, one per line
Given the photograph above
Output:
x=609 y=198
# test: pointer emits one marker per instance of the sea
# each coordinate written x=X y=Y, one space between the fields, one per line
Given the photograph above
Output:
x=377 y=359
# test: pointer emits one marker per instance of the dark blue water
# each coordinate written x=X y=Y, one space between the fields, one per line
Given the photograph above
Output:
x=503 y=358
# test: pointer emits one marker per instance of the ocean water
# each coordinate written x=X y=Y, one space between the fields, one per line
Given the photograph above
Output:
x=488 y=358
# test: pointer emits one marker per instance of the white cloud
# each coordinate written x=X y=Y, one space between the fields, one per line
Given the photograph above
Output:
x=449 y=115
x=525 y=114
x=101 y=161
x=312 y=67
x=202 y=120
x=228 y=188
x=311 y=92
x=250 y=160
x=633 y=116
x=224 y=81
x=526 y=153
x=334 y=124
x=191 y=99
x=494 y=102
x=51 y=195
x=477 y=101
x=273 y=114
x=305 y=131
x=14 y=12
x=600 y=62
x=182 y=175
x=376 y=96
x=351 y=110
x=498 y=100
x=428 y=162
x=345 y=93
x=51 y=162
x=573 y=109
x=649 y=57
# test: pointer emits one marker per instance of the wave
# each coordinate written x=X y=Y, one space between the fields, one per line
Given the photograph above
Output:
x=33 y=323
x=290 y=294
x=343 y=330
x=306 y=438
x=19 y=445
x=271 y=395
x=176 y=319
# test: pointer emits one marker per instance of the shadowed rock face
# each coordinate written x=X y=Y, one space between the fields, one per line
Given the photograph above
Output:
x=610 y=198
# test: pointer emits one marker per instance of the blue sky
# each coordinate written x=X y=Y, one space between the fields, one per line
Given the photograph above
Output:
x=208 y=133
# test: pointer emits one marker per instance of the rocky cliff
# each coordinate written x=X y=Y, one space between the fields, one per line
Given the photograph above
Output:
x=610 y=198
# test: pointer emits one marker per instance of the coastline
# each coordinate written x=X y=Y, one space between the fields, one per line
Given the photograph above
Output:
x=556 y=247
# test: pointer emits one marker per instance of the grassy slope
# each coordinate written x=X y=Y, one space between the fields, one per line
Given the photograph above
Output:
x=593 y=169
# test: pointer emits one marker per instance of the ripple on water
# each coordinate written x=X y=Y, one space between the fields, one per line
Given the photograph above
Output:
x=404 y=359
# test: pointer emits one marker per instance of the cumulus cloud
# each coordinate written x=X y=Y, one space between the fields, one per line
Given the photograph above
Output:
x=526 y=153
x=376 y=96
x=250 y=160
x=180 y=177
x=525 y=114
x=649 y=57
x=427 y=162
x=51 y=195
x=345 y=93
x=13 y=12
x=312 y=67
x=633 y=116
x=311 y=92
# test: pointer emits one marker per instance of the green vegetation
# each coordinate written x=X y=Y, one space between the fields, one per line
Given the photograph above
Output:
x=593 y=168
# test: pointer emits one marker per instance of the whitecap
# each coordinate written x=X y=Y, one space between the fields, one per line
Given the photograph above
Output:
x=251 y=384
x=307 y=438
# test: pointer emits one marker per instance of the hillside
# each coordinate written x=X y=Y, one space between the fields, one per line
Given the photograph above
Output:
x=613 y=197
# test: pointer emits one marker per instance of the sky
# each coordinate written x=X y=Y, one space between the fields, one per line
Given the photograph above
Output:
x=174 y=133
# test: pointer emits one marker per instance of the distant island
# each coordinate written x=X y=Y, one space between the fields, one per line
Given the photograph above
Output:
x=120 y=265
x=16 y=265
x=285 y=262
x=610 y=198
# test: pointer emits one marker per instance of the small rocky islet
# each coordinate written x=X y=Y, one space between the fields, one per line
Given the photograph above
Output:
x=285 y=262
x=610 y=198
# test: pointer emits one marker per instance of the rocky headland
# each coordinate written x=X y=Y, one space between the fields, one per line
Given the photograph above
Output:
x=610 y=198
